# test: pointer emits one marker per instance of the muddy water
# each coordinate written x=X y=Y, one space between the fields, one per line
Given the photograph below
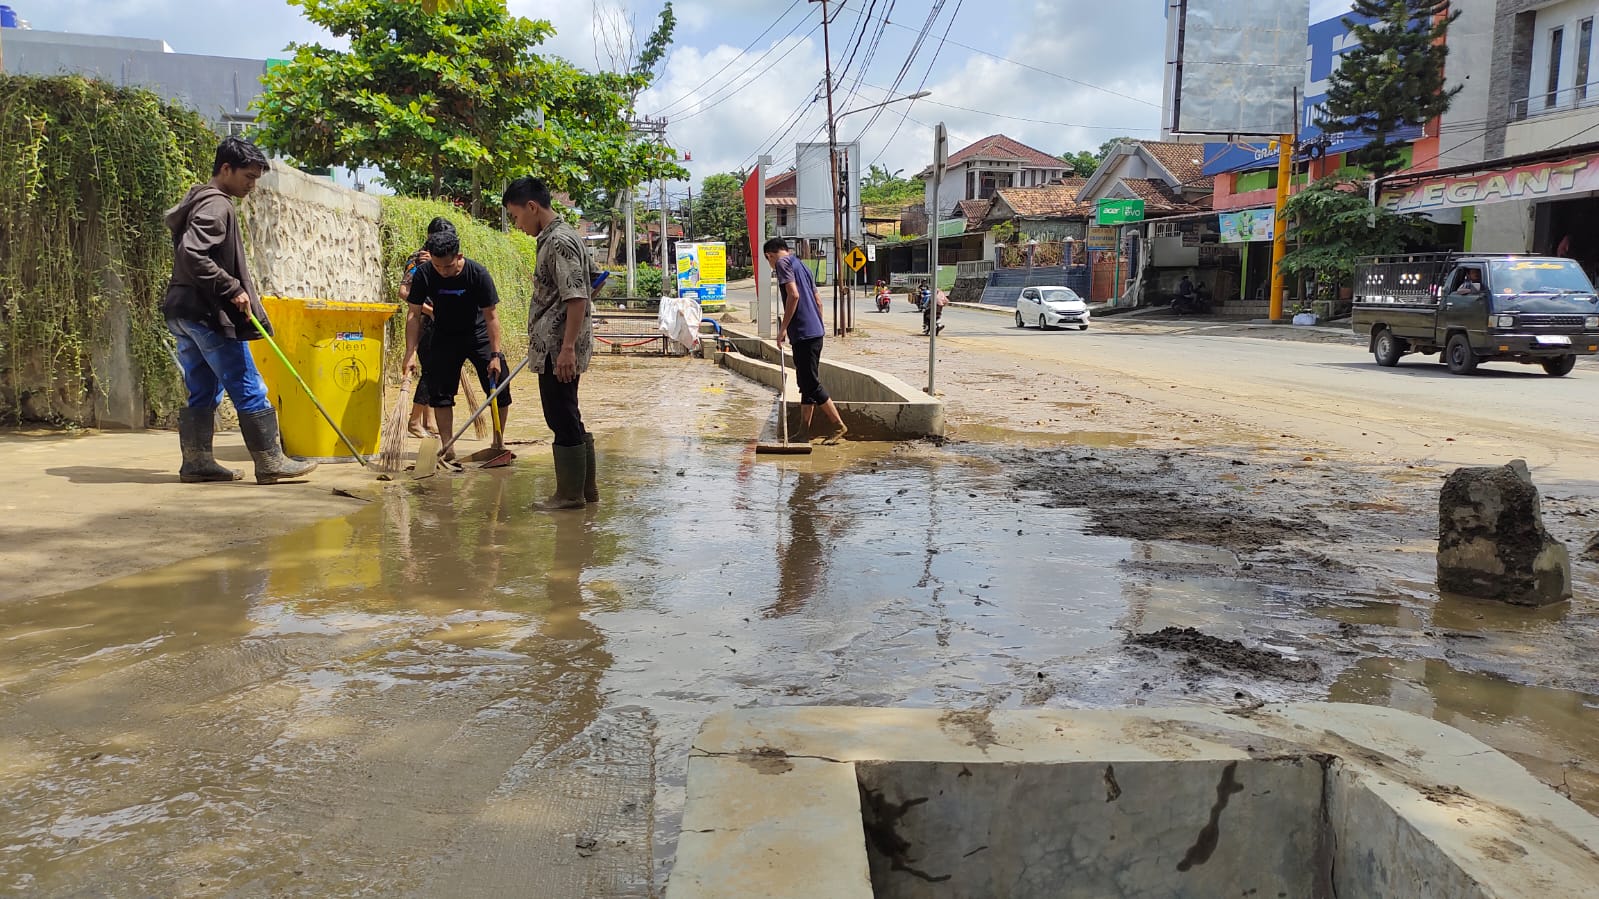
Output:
x=445 y=694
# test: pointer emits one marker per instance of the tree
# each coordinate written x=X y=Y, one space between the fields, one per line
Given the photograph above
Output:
x=881 y=187
x=1333 y=225
x=1081 y=164
x=1084 y=163
x=1393 y=79
x=719 y=212
x=450 y=105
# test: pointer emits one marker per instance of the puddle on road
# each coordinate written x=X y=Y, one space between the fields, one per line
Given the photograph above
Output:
x=405 y=700
x=967 y=432
x=1551 y=732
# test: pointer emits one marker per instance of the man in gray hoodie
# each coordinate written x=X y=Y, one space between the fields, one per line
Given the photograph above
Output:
x=207 y=307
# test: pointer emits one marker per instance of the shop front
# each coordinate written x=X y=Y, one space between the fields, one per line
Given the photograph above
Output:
x=1543 y=203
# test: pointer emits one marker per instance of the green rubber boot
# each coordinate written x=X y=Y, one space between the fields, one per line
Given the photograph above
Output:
x=196 y=428
x=591 y=486
x=571 y=471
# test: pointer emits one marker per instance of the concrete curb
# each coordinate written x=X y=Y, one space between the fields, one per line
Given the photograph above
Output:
x=875 y=405
x=1302 y=799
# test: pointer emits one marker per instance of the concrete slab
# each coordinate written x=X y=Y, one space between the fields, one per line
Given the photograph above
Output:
x=875 y=406
x=1317 y=799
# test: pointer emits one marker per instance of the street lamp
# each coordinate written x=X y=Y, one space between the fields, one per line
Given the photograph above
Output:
x=842 y=313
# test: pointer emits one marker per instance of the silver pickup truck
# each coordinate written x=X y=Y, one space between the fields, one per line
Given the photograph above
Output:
x=1535 y=310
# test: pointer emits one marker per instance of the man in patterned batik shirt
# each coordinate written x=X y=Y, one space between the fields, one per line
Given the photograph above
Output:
x=560 y=338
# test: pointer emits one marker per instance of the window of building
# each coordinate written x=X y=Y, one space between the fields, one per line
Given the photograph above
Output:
x=1584 y=51
x=1557 y=40
x=782 y=217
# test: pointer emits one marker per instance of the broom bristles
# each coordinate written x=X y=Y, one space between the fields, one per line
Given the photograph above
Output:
x=392 y=458
x=479 y=426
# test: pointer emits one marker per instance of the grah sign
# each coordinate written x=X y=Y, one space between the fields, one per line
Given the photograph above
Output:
x=1542 y=181
x=1118 y=212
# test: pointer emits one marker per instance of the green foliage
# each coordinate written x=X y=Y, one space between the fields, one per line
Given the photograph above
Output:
x=655 y=47
x=449 y=105
x=1393 y=79
x=508 y=257
x=1082 y=163
x=881 y=187
x=648 y=281
x=1333 y=225
x=87 y=171
x=719 y=213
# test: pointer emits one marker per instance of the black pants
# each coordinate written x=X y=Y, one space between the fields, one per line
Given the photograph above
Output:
x=808 y=371
x=442 y=368
x=560 y=407
x=424 y=349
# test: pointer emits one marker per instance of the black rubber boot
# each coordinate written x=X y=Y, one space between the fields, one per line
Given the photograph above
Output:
x=266 y=448
x=571 y=471
x=591 y=486
x=196 y=428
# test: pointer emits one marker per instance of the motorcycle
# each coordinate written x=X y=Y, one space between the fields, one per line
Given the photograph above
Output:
x=921 y=299
x=883 y=300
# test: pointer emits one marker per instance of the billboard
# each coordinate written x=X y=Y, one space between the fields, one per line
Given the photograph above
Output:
x=1537 y=182
x=702 y=273
x=813 y=188
x=1329 y=39
x=1234 y=65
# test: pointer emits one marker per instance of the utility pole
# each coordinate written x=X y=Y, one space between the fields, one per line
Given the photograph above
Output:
x=689 y=230
x=832 y=156
x=1279 y=242
x=632 y=244
x=940 y=165
x=656 y=128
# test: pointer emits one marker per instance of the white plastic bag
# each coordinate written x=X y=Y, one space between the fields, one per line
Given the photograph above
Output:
x=680 y=322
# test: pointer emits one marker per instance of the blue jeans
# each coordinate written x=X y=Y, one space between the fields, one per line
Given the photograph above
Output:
x=212 y=363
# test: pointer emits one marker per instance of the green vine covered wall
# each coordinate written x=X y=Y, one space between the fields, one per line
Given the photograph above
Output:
x=86 y=172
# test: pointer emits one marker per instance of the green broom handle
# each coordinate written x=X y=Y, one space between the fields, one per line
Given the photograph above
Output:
x=306 y=387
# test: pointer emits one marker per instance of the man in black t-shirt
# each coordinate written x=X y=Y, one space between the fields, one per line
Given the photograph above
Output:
x=466 y=328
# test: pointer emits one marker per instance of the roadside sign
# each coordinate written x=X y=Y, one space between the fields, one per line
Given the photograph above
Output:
x=871 y=252
x=1101 y=238
x=940 y=150
x=855 y=259
x=1118 y=212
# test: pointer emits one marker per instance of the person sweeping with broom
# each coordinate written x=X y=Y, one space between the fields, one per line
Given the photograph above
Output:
x=560 y=337
x=466 y=328
x=208 y=307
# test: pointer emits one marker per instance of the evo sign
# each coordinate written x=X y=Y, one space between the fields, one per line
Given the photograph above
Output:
x=1540 y=181
x=1118 y=212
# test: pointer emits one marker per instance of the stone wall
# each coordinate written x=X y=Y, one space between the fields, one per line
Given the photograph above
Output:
x=310 y=238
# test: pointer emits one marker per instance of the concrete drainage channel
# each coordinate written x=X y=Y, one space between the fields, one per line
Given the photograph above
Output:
x=1313 y=800
x=875 y=406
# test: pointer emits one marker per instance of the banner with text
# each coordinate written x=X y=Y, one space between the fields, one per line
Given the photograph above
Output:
x=1248 y=226
x=1539 y=181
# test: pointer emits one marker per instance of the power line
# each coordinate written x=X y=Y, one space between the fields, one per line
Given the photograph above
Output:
x=747 y=47
x=925 y=75
x=1041 y=71
x=730 y=89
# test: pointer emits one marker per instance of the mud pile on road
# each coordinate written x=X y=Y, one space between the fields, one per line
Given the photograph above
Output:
x=1203 y=649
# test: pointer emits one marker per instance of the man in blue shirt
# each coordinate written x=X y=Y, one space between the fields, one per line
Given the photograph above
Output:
x=802 y=325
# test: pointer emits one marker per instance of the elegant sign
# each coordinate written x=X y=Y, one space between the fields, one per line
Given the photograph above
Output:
x=1540 y=181
x=1248 y=226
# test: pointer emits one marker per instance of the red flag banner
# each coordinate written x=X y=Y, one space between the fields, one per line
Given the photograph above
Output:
x=752 y=199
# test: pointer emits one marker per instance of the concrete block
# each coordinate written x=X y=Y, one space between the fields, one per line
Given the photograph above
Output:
x=1309 y=800
x=1491 y=540
x=875 y=406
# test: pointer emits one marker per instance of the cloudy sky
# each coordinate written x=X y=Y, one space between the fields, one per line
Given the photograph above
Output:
x=742 y=74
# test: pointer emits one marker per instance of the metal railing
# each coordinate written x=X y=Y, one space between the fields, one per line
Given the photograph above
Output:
x=1563 y=100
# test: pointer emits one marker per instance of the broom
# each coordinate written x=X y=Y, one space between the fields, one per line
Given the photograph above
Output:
x=785 y=448
x=392 y=459
x=480 y=428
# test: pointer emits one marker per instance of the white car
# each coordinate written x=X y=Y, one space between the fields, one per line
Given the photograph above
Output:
x=1052 y=307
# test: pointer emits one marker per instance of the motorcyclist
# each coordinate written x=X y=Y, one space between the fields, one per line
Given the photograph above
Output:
x=882 y=297
x=1183 y=303
x=923 y=295
x=928 y=314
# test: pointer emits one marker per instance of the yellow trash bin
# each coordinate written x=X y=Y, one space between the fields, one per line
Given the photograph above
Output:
x=337 y=347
